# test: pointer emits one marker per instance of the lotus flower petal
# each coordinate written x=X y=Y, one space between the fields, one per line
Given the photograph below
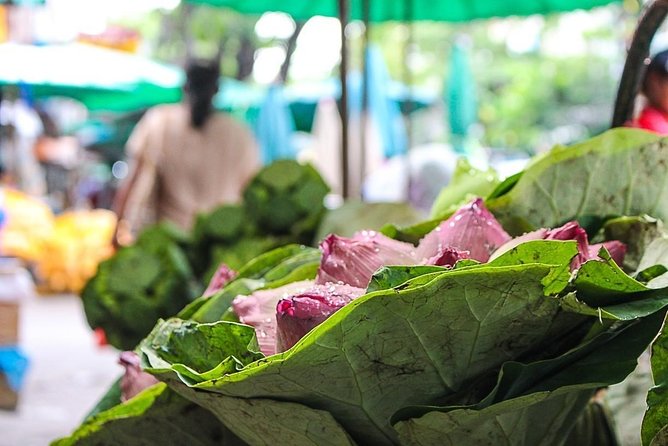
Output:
x=300 y=313
x=616 y=249
x=134 y=380
x=539 y=234
x=572 y=231
x=353 y=261
x=472 y=228
x=569 y=231
x=447 y=256
x=259 y=311
x=223 y=275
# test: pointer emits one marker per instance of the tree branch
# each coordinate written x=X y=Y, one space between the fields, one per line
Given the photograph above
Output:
x=289 y=50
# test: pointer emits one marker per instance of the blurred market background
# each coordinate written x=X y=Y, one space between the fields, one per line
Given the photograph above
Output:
x=77 y=75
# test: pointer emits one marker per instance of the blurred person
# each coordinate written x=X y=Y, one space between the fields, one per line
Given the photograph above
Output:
x=20 y=127
x=653 y=115
x=185 y=158
x=58 y=156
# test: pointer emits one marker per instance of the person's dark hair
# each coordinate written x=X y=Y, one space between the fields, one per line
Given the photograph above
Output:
x=658 y=65
x=201 y=86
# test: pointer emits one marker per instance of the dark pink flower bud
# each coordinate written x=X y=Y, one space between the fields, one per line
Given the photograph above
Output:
x=300 y=313
x=539 y=234
x=569 y=231
x=447 y=256
x=134 y=380
x=223 y=275
x=572 y=231
x=353 y=261
x=616 y=249
x=259 y=311
x=472 y=228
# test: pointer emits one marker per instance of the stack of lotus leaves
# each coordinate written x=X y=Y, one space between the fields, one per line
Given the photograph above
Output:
x=499 y=321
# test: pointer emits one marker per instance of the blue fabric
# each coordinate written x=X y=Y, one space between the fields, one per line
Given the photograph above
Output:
x=385 y=111
x=460 y=96
x=273 y=123
x=13 y=364
x=26 y=93
x=274 y=127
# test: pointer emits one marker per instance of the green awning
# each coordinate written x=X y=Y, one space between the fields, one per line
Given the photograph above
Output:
x=388 y=10
x=138 y=97
x=23 y=2
x=100 y=78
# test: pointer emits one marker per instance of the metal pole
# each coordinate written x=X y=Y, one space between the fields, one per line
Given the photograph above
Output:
x=344 y=14
x=364 y=117
x=408 y=81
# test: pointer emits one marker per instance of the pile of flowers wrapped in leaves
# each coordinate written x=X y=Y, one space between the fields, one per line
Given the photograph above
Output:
x=497 y=322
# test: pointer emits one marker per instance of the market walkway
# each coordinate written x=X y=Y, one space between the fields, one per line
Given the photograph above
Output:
x=68 y=373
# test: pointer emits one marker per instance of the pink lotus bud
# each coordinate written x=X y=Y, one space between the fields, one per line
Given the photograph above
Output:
x=447 y=256
x=472 y=228
x=223 y=275
x=616 y=249
x=353 y=261
x=572 y=231
x=134 y=380
x=300 y=313
x=569 y=231
x=539 y=234
x=259 y=311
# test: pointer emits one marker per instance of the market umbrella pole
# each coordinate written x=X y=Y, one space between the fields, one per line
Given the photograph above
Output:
x=364 y=116
x=408 y=81
x=634 y=68
x=344 y=14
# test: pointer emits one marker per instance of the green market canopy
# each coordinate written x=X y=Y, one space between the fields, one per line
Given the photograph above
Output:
x=450 y=11
x=100 y=78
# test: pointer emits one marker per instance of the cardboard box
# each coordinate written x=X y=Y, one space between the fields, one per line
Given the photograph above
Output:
x=8 y=397
x=9 y=323
x=15 y=285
